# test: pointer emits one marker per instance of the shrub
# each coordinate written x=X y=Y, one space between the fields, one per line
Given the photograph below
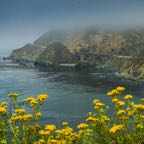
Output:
x=125 y=127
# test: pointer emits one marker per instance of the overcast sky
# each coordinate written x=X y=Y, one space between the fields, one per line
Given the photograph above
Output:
x=22 y=21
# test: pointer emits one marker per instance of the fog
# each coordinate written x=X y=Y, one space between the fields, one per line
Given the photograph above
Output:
x=23 y=21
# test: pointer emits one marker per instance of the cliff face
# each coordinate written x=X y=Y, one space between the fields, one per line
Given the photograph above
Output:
x=136 y=68
x=28 y=52
x=55 y=47
x=91 y=40
x=56 y=53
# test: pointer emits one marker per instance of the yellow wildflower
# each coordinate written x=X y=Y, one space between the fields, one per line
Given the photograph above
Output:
x=128 y=97
x=82 y=126
x=120 y=103
x=4 y=104
x=120 y=88
x=97 y=104
x=20 y=111
x=38 y=114
x=91 y=119
x=113 y=93
x=26 y=117
x=115 y=100
x=42 y=97
x=30 y=99
x=50 y=127
x=44 y=133
x=42 y=141
x=2 y=110
x=131 y=113
x=33 y=101
x=116 y=128
x=139 y=106
x=104 y=118
x=95 y=101
x=65 y=131
x=121 y=112
x=13 y=95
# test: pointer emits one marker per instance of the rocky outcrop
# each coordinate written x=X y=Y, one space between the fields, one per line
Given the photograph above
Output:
x=28 y=52
x=55 y=54
x=55 y=47
x=136 y=68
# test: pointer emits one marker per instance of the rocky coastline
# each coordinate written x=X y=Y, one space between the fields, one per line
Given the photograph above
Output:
x=121 y=51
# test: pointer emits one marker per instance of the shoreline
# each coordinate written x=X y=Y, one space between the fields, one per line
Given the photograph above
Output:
x=81 y=67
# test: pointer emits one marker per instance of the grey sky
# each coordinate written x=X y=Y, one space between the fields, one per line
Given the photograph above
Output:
x=22 y=21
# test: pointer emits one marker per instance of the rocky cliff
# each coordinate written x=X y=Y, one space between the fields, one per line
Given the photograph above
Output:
x=28 y=52
x=56 y=53
x=55 y=47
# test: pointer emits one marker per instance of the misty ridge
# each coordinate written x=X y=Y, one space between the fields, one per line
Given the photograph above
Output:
x=63 y=46
x=56 y=33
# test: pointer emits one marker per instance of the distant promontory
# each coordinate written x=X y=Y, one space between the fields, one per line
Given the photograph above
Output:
x=122 y=49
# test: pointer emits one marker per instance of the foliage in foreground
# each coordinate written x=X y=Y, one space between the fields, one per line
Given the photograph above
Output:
x=17 y=126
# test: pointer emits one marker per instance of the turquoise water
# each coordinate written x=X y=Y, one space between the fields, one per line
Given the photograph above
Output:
x=70 y=93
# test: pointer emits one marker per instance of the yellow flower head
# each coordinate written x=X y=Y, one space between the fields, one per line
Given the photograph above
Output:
x=20 y=111
x=131 y=113
x=50 y=127
x=120 y=88
x=116 y=128
x=33 y=101
x=113 y=93
x=13 y=95
x=2 y=110
x=99 y=104
x=95 y=101
x=26 y=117
x=4 y=104
x=41 y=141
x=44 y=132
x=104 y=118
x=115 y=100
x=120 y=103
x=91 y=119
x=139 y=106
x=42 y=97
x=128 y=97
x=121 y=112
x=38 y=114
x=82 y=126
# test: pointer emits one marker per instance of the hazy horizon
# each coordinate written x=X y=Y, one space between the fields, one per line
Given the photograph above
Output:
x=24 y=21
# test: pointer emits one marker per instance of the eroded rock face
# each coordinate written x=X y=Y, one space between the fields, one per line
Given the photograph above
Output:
x=56 y=53
x=55 y=47
x=28 y=52
x=137 y=67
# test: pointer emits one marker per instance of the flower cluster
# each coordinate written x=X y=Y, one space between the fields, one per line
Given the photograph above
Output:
x=124 y=125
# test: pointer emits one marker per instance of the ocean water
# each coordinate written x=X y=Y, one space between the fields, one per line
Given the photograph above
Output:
x=70 y=93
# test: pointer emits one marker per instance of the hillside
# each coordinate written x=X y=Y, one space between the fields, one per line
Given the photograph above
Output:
x=55 y=53
x=28 y=52
x=128 y=42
